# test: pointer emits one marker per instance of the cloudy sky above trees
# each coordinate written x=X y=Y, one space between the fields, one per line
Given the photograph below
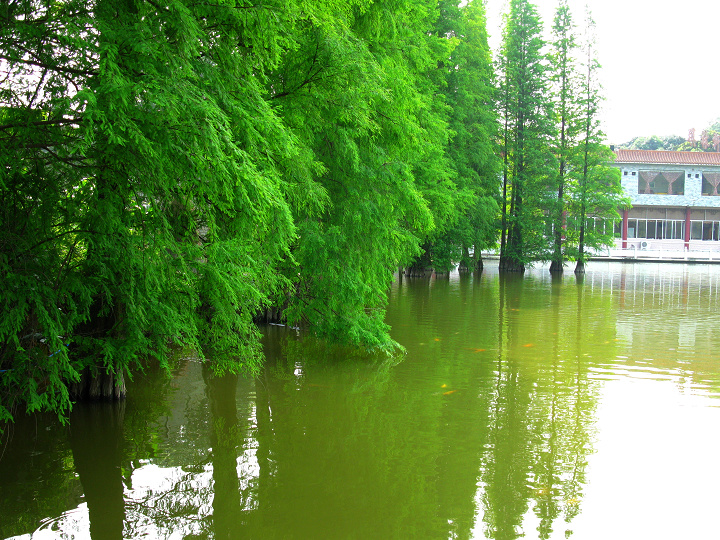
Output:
x=659 y=62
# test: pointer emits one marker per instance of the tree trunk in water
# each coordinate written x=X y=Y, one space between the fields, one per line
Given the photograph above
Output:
x=556 y=267
x=510 y=264
x=422 y=266
x=580 y=267
x=99 y=384
x=466 y=263
x=417 y=271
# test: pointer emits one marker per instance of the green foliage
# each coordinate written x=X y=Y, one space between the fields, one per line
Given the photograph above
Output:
x=170 y=169
x=145 y=187
x=466 y=79
x=597 y=192
x=703 y=141
x=353 y=91
x=588 y=188
x=473 y=149
x=654 y=142
x=528 y=130
x=567 y=110
x=593 y=204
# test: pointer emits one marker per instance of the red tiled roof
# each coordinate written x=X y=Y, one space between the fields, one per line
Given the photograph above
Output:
x=664 y=156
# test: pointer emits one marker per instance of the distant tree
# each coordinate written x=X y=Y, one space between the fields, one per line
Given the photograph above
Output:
x=598 y=193
x=673 y=142
x=655 y=142
x=709 y=140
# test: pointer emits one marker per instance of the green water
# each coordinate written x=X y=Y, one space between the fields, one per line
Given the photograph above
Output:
x=523 y=407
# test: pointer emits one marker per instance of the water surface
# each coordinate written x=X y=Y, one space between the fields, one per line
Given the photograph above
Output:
x=524 y=406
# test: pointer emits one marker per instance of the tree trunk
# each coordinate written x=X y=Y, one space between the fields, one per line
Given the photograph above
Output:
x=511 y=264
x=556 y=267
x=422 y=266
x=98 y=385
x=477 y=255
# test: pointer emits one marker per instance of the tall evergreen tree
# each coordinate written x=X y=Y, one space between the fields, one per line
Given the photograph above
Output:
x=143 y=187
x=563 y=69
x=528 y=129
x=437 y=177
x=359 y=93
x=598 y=193
x=473 y=148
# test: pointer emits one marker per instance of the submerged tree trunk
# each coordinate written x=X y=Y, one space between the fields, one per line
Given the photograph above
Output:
x=556 y=266
x=470 y=263
x=477 y=255
x=510 y=264
x=580 y=266
x=422 y=266
x=465 y=263
x=98 y=384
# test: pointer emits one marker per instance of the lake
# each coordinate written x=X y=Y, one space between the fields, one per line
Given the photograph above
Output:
x=524 y=406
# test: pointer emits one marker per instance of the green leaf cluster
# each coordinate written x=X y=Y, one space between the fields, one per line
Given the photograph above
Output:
x=169 y=169
x=147 y=186
x=556 y=173
x=528 y=129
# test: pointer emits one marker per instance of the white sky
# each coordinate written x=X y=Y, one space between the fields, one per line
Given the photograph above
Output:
x=660 y=62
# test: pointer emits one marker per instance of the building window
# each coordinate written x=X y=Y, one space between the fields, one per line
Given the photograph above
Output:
x=661 y=182
x=656 y=229
x=705 y=230
x=600 y=226
x=710 y=183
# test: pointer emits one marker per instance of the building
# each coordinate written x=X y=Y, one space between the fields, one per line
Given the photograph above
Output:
x=675 y=200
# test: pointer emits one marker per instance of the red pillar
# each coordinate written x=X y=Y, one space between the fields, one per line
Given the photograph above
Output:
x=624 y=228
x=687 y=228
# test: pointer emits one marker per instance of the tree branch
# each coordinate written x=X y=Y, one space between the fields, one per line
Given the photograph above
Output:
x=59 y=121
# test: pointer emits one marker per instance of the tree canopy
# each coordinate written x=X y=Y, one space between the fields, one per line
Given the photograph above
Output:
x=170 y=169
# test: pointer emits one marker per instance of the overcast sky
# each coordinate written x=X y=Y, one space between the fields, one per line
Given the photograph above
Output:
x=660 y=62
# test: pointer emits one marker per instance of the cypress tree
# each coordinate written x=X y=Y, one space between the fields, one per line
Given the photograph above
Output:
x=143 y=189
x=527 y=116
x=471 y=95
x=359 y=92
x=598 y=193
x=563 y=67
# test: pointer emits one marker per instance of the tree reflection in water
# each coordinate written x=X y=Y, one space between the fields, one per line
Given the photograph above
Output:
x=95 y=438
x=224 y=438
x=543 y=409
x=482 y=430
